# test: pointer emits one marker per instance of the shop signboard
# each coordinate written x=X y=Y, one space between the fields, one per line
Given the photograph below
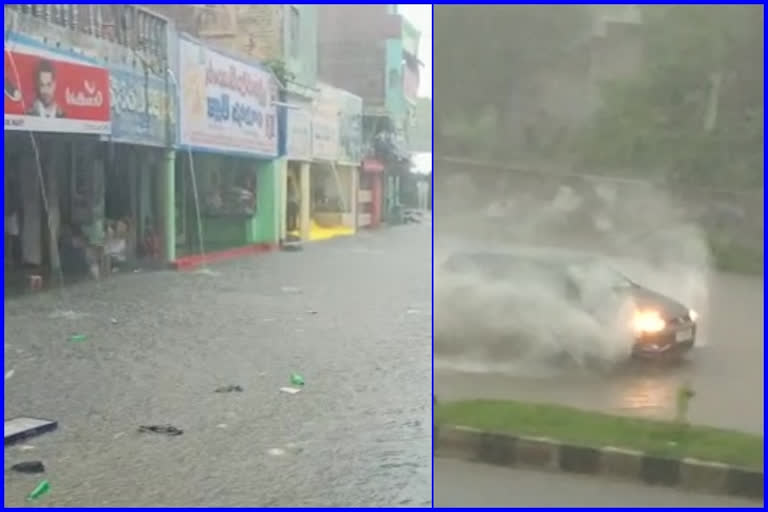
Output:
x=140 y=113
x=298 y=133
x=325 y=124
x=52 y=90
x=350 y=128
x=226 y=104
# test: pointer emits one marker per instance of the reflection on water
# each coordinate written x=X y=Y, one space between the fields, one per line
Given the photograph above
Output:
x=647 y=396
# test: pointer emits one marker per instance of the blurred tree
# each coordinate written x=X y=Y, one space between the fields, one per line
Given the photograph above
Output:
x=694 y=111
x=484 y=52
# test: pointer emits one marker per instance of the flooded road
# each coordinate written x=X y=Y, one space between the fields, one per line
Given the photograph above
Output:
x=727 y=374
x=352 y=316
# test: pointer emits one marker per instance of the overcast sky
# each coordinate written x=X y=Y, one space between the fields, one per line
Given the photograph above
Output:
x=421 y=17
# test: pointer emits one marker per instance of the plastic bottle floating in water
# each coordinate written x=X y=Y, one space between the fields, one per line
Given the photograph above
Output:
x=40 y=490
x=78 y=338
x=297 y=380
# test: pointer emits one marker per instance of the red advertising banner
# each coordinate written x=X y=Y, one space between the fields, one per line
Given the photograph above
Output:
x=55 y=94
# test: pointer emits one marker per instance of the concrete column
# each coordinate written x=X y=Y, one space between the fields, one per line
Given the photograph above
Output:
x=169 y=205
x=282 y=204
x=304 y=218
x=354 y=184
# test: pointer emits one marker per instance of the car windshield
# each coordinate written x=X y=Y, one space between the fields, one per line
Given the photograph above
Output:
x=599 y=274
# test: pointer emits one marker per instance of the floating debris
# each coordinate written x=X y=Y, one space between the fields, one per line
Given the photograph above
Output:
x=78 y=338
x=26 y=447
x=276 y=452
x=67 y=314
x=229 y=389
x=19 y=428
x=40 y=490
x=291 y=391
x=113 y=321
x=9 y=374
x=296 y=379
x=168 y=430
x=205 y=271
x=290 y=289
x=221 y=425
x=32 y=466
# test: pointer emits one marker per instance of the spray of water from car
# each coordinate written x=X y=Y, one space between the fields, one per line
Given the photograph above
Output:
x=525 y=320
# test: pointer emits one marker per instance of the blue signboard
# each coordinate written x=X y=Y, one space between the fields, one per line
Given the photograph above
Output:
x=139 y=109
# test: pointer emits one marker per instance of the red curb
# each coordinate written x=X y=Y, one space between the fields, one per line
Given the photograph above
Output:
x=191 y=262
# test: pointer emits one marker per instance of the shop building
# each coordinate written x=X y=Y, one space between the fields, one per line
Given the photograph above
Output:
x=298 y=155
x=333 y=184
x=85 y=126
x=140 y=157
x=227 y=188
x=365 y=49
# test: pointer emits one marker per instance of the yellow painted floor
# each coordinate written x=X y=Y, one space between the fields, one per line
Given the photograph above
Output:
x=317 y=232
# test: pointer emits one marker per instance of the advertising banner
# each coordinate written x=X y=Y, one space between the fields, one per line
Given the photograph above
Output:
x=139 y=112
x=49 y=90
x=325 y=124
x=350 y=128
x=226 y=104
x=298 y=145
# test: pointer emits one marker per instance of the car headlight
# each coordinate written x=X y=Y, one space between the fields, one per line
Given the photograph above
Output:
x=648 y=322
x=693 y=315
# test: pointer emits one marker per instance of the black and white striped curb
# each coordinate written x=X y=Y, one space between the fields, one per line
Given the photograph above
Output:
x=549 y=454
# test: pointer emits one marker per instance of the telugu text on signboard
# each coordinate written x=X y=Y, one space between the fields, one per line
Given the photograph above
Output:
x=226 y=104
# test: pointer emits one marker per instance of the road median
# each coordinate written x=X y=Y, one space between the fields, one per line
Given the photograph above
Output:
x=557 y=438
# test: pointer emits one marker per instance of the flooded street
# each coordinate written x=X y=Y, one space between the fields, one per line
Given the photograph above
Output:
x=352 y=316
x=727 y=374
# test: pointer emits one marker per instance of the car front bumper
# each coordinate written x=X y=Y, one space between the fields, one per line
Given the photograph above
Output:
x=672 y=342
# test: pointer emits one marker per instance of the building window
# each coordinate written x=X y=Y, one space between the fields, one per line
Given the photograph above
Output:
x=294 y=32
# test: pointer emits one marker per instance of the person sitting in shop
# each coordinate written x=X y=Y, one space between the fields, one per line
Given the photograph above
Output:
x=116 y=243
x=72 y=252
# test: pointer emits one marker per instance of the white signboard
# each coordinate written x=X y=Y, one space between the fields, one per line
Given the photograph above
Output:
x=325 y=124
x=298 y=133
x=226 y=104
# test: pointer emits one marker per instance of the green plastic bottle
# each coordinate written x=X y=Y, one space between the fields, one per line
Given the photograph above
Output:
x=297 y=380
x=77 y=338
x=40 y=490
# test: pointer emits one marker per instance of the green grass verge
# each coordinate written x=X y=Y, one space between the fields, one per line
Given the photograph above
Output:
x=596 y=429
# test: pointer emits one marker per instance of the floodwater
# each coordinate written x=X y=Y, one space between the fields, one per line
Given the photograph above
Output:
x=350 y=315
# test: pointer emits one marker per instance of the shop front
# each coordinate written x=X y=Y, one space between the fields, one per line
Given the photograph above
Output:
x=140 y=151
x=333 y=184
x=351 y=145
x=57 y=104
x=370 y=193
x=226 y=192
x=298 y=147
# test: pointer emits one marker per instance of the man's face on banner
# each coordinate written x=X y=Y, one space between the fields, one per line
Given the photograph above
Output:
x=46 y=87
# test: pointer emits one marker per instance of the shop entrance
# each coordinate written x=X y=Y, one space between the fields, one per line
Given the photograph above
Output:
x=54 y=207
x=293 y=201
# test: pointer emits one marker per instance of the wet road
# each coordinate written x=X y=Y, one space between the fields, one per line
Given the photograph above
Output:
x=460 y=484
x=727 y=375
x=351 y=315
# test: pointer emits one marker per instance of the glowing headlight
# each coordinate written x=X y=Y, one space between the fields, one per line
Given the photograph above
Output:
x=693 y=315
x=648 y=322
